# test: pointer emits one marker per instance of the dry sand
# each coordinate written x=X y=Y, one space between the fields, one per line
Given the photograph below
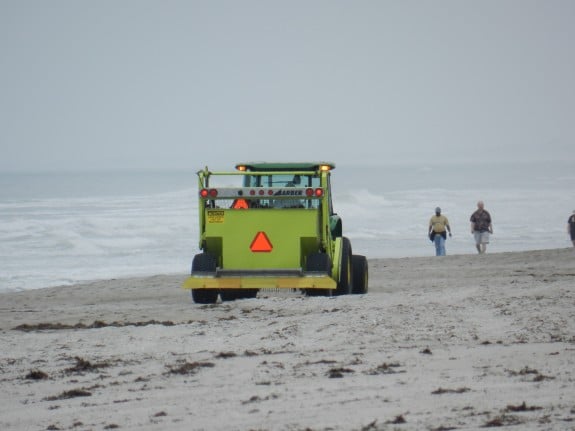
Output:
x=460 y=342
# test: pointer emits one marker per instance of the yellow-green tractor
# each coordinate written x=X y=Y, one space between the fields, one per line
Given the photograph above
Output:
x=277 y=230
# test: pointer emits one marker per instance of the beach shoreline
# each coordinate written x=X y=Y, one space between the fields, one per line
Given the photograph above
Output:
x=461 y=341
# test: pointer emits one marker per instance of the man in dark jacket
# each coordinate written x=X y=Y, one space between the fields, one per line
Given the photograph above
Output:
x=481 y=227
x=571 y=227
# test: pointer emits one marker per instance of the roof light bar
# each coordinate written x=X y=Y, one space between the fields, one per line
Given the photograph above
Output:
x=262 y=192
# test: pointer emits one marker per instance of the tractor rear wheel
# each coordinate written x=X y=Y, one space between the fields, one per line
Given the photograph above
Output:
x=249 y=293
x=233 y=294
x=229 y=294
x=344 y=285
x=318 y=262
x=204 y=262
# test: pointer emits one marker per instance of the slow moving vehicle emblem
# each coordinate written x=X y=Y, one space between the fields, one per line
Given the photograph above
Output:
x=261 y=243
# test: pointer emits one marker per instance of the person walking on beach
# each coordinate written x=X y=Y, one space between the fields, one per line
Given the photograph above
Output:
x=481 y=227
x=571 y=227
x=438 y=228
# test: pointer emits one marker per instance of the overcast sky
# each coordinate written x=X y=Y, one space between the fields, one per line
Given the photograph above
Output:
x=168 y=84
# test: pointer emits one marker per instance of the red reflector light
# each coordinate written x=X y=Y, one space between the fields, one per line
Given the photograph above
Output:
x=319 y=193
x=309 y=193
x=213 y=193
x=204 y=193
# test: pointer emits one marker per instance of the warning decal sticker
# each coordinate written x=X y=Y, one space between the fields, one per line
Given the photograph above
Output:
x=215 y=216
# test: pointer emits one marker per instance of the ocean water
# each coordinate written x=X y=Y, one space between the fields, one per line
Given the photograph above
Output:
x=65 y=228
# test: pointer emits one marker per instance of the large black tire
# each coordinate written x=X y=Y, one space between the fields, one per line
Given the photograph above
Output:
x=360 y=274
x=249 y=293
x=229 y=294
x=233 y=294
x=344 y=285
x=204 y=262
x=318 y=262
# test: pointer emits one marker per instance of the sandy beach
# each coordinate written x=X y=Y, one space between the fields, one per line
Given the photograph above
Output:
x=460 y=342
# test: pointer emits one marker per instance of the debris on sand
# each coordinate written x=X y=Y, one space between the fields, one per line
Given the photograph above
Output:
x=36 y=375
x=398 y=420
x=73 y=393
x=501 y=421
x=189 y=367
x=385 y=368
x=226 y=355
x=96 y=325
x=83 y=365
x=441 y=391
x=522 y=408
x=338 y=372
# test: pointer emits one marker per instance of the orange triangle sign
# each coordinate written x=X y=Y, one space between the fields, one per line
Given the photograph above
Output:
x=261 y=243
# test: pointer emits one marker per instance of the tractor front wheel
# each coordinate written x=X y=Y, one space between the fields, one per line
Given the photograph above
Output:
x=360 y=274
